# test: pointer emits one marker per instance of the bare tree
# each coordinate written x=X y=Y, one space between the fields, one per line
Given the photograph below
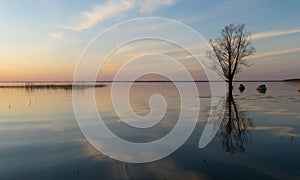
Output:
x=229 y=52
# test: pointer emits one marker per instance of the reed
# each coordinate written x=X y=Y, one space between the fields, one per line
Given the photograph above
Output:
x=58 y=85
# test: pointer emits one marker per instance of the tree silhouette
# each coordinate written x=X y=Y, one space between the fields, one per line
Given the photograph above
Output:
x=235 y=128
x=229 y=51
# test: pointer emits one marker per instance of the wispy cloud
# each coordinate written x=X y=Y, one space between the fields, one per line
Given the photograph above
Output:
x=275 y=53
x=274 y=34
x=57 y=35
x=148 y=6
x=109 y=9
x=114 y=8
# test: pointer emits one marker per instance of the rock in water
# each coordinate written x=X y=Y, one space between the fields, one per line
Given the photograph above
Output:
x=261 y=88
x=241 y=87
x=299 y=90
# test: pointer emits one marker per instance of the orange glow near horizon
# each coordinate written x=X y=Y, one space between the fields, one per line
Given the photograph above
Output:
x=32 y=72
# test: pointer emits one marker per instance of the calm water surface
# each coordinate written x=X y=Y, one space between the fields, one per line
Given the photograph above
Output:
x=40 y=138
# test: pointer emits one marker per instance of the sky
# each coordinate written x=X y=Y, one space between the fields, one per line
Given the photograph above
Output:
x=44 y=39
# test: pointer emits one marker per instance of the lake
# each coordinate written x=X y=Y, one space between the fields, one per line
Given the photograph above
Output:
x=258 y=138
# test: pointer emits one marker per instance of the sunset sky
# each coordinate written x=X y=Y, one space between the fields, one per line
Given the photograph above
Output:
x=43 y=39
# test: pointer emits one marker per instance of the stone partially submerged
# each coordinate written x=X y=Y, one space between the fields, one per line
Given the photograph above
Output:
x=241 y=88
x=261 y=88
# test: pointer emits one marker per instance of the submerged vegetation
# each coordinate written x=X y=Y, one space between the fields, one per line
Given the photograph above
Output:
x=51 y=85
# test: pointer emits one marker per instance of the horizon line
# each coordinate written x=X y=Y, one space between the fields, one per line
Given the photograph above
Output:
x=110 y=81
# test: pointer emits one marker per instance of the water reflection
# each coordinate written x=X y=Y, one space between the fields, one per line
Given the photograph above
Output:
x=43 y=141
x=235 y=127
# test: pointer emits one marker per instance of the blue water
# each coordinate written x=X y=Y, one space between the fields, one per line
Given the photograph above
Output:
x=40 y=137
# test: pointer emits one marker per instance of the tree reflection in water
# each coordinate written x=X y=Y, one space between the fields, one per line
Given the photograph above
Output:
x=235 y=127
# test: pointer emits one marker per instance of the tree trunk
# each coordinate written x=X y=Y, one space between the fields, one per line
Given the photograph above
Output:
x=230 y=88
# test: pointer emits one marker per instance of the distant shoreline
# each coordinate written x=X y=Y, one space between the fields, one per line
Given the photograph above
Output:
x=292 y=80
x=90 y=84
x=70 y=82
